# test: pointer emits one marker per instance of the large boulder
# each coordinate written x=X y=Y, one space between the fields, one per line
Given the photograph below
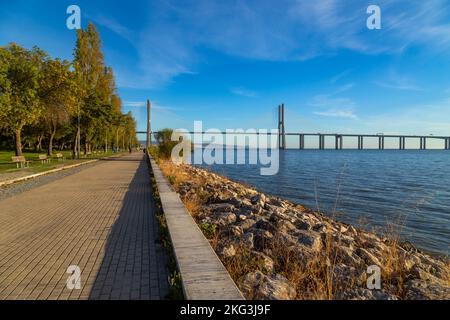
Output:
x=227 y=251
x=368 y=257
x=262 y=239
x=309 y=239
x=224 y=218
x=259 y=199
x=257 y=285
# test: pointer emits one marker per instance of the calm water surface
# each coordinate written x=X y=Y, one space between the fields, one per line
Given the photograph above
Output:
x=370 y=188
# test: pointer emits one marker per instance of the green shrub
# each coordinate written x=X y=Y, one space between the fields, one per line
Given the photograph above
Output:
x=164 y=143
x=208 y=229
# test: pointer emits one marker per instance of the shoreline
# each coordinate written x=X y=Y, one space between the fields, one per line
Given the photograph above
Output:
x=277 y=249
x=333 y=216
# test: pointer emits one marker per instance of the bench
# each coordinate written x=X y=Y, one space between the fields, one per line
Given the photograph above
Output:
x=60 y=157
x=20 y=161
x=44 y=158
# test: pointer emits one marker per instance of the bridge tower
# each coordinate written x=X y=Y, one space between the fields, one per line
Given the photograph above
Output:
x=149 y=127
x=281 y=130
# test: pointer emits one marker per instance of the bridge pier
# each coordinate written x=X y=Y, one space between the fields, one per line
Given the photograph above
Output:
x=321 y=142
x=360 y=142
x=402 y=142
x=339 y=142
x=423 y=143
x=301 y=141
x=149 y=125
x=447 y=143
x=381 y=143
x=281 y=129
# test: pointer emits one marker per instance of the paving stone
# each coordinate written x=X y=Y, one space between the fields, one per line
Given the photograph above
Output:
x=100 y=218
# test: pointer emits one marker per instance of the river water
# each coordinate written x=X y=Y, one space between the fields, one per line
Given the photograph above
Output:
x=408 y=191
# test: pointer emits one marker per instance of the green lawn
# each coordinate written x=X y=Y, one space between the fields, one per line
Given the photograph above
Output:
x=6 y=166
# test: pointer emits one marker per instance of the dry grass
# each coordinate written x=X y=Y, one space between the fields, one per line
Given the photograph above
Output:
x=313 y=274
x=176 y=177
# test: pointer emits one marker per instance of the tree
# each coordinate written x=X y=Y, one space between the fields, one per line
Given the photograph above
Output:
x=165 y=144
x=19 y=103
x=97 y=82
x=55 y=92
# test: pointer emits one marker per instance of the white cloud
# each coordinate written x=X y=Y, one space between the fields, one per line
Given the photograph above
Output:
x=334 y=106
x=240 y=91
x=339 y=76
x=176 y=32
x=135 y=103
x=337 y=114
x=398 y=82
x=114 y=26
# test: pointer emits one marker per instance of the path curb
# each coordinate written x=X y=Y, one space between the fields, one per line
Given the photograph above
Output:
x=32 y=176
x=203 y=275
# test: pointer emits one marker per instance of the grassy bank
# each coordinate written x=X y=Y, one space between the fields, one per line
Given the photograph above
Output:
x=7 y=167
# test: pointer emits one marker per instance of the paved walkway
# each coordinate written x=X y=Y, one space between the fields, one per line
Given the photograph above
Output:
x=99 y=219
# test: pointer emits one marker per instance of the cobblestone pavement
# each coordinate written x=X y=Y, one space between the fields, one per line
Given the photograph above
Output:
x=99 y=219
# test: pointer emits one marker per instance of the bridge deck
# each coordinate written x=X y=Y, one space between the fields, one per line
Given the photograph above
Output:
x=99 y=219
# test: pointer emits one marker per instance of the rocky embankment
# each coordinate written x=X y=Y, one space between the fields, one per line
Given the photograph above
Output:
x=275 y=249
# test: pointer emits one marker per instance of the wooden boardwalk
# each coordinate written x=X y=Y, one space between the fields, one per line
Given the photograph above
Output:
x=99 y=219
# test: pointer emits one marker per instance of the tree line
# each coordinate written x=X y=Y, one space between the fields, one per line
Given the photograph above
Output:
x=46 y=102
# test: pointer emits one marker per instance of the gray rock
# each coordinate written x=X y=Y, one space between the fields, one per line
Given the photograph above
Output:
x=368 y=257
x=303 y=225
x=242 y=217
x=285 y=226
x=236 y=231
x=257 y=285
x=248 y=240
x=309 y=239
x=265 y=263
x=228 y=251
x=365 y=294
x=247 y=224
x=224 y=218
x=426 y=290
x=262 y=239
x=221 y=207
x=259 y=199
x=265 y=224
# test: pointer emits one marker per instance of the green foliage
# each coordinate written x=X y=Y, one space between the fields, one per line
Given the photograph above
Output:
x=73 y=103
x=165 y=143
x=175 y=283
x=19 y=86
x=175 y=286
x=154 y=152
x=204 y=196
x=208 y=229
x=171 y=179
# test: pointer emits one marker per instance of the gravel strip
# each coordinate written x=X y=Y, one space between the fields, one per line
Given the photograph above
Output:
x=19 y=187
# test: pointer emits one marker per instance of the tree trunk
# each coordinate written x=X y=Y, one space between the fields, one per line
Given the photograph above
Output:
x=50 y=142
x=18 y=140
x=76 y=146
x=78 y=142
x=117 y=139
x=39 y=142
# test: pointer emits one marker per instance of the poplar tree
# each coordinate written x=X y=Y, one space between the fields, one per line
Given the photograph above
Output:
x=56 y=97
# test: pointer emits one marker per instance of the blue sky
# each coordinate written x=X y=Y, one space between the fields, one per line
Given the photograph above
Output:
x=230 y=63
